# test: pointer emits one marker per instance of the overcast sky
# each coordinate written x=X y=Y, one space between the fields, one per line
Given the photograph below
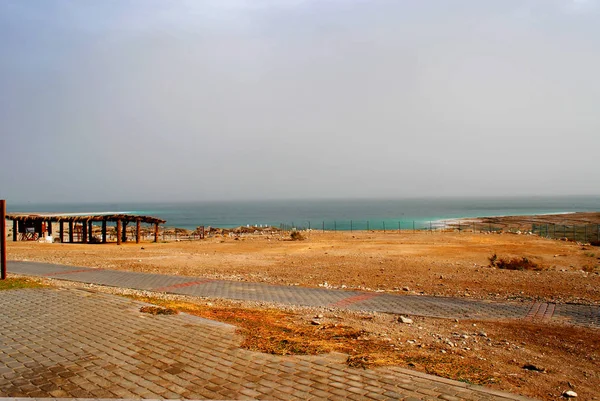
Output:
x=132 y=100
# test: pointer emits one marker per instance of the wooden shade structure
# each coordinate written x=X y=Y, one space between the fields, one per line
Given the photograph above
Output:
x=33 y=226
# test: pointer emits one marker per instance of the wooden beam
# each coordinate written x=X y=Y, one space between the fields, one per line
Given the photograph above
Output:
x=125 y=222
x=118 y=232
x=3 y=240
x=15 y=230
x=50 y=227
x=155 y=232
x=137 y=231
x=104 y=231
x=84 y=237
x=61 y=230
x=90 y=231
x=71 y=231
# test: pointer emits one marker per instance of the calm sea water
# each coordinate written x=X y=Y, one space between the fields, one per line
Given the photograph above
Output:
x=329 y=213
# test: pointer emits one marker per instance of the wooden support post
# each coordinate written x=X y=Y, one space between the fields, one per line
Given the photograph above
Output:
x=90 y=232
x=50 y=227
x=15 y=230
x=84 y=228
x=3 y=240
x=125 y=230
x=118 y=232
x=155 y=232
x=104 y=231
x=71 y=231
x=61 y=230
x=137 y=231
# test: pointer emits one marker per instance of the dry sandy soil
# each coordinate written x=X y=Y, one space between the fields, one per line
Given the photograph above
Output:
x=439 y=263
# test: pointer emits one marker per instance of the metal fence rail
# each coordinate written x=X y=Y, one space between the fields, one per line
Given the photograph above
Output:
x=575 y=232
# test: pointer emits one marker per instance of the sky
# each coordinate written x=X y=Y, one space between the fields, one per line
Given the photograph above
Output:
x=153 y=100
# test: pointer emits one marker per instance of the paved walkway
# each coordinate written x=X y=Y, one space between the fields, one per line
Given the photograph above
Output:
x=64 y=343
x=445 y=307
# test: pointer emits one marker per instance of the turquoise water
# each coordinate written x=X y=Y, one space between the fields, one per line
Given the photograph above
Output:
x=339 y=214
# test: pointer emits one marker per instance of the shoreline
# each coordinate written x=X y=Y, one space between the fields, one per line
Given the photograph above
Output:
x=336 y=214
x=389 y=225
x=477 y=218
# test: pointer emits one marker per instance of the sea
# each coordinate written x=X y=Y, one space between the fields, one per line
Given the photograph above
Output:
x=328 y=214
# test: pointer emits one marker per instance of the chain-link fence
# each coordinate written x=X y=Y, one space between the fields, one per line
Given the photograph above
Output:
x=582 y=233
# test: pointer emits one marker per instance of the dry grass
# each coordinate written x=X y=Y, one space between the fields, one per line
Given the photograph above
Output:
x=278 y=332
x=274 y=331
x=566 y=355
x=521 y=263
x=157 y=310
x=13 y=283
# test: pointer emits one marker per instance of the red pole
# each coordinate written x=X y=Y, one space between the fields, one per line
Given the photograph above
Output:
x=3 y=239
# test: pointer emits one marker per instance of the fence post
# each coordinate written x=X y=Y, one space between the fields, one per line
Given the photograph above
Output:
x=3 y=240
x=351 y=228
x=413 y=226
x=459 y=226
x=585 y=233
x=367 y=225
x=334 y=226
x=383 y=227
x=398 y=227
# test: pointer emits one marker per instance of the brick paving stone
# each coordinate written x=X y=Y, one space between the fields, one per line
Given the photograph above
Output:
x=320 y=394
x=445 y=307
x=373 y=389
x=357 y=390
x=108 y=349
x=339 y=392
x=302 y=387
x=249 y=392
x=446 y=397
x=334 y=397
x=375 y=396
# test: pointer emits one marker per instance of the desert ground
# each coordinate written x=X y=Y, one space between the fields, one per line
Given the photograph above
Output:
x=445 y=263
x=438 y=263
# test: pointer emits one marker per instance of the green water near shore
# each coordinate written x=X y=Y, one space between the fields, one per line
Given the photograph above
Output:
x=340 y=214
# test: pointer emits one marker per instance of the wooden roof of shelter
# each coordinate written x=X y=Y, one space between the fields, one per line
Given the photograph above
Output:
x=77 y=217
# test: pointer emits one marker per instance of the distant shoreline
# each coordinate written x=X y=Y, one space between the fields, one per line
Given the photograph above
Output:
x=334 y=215
x=566 y=218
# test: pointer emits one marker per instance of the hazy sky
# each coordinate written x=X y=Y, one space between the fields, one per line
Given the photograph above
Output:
x=229 y=99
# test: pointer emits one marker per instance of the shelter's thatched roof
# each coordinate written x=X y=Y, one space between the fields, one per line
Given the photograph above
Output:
x=75 y=217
